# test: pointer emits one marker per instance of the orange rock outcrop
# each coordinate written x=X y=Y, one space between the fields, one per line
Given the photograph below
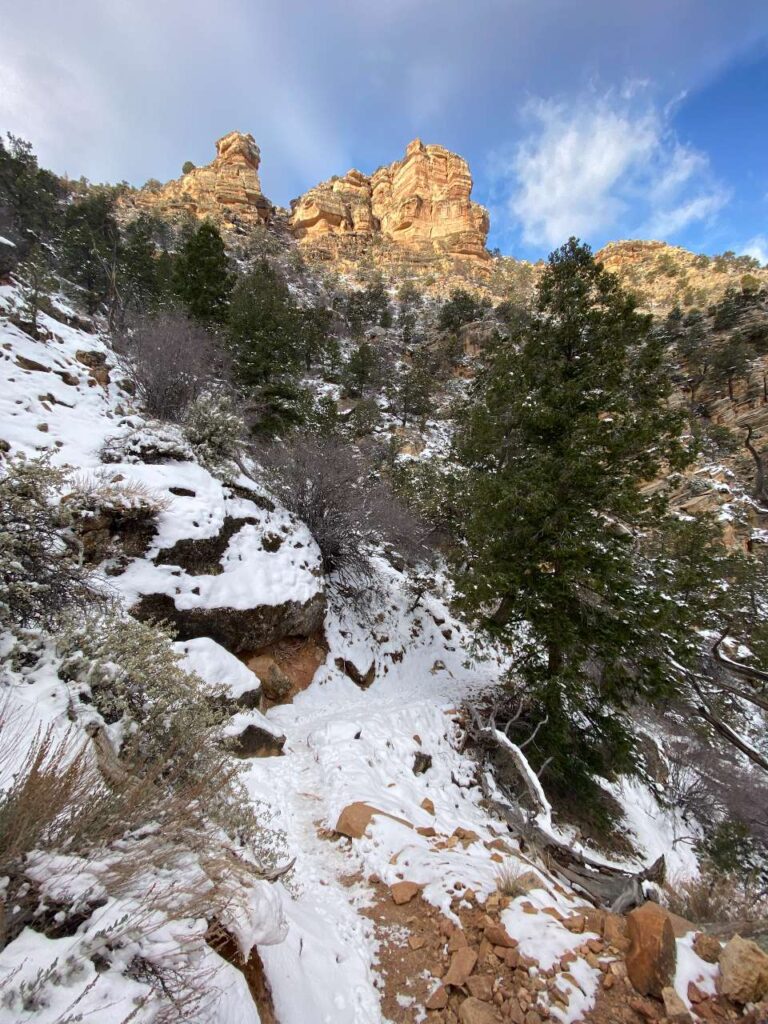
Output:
x=226 y=191
x=419 y=205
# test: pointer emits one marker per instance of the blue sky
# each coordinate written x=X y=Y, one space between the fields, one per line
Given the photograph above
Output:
x=599 y=118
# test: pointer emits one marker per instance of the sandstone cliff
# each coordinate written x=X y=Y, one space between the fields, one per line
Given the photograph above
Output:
x=226 y=191
x=416 y=210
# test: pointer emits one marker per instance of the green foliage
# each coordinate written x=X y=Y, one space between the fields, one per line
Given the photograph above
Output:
x=202 y=278
x=39 y=282
x=264 y=326
x=461 y=308
x=214 y=431
x=362 y=370
x=559 y=433
x=187 y=167
x=410 y=394
x=314 y=327
x=368 y=307
x=40 y=568
x=366 y=416
x=90 y=246
x=31 y=198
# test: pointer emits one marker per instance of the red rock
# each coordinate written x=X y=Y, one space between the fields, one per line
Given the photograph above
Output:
x=614 y=931
x=457 y=941
x=438 y=1000
x=695 y=994
x=427 y=805
x=707 y=947
x=652 y=954
x=403 y=892
x=462 y=964
x=497 y=935
x=416 y=941
x=481 y=987
x=575 y=924
x=356 y=817
x=674 y=1007
x=475 y=1011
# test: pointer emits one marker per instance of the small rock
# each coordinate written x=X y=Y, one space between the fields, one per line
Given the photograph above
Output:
x=614 y=931
x=645 y=1008
x=707 y=947
x=462 y=964
x=438 y=1000
x=427 y=805
x=458 y=940
x=416 y=941
x=497 y=935
x=695 y=995
x=403 y=892
x=575 y=924
x=481 y=987
x=421 y=762
x=674 y=1007
x=744 y=971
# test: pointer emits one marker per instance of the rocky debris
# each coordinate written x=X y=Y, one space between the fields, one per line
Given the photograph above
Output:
x=652 y=953
x=743 y=971
x=226 y=191
x=361 y=679
x=420 y=205
x=356 y=817
x=237 y=629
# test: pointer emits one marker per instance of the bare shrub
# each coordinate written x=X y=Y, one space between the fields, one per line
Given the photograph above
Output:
x=507 y=880
x=346 y=507
x=716 y=898
x=41 y=570
x=171 y=361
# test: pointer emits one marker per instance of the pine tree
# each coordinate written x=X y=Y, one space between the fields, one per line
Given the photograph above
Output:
x=361 y=370
x=265 y=326
x=564 y=425
x=412 y=390
x=202 y=277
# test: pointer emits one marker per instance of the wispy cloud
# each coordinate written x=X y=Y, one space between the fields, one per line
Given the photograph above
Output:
x=584 y=167
x=757 y=247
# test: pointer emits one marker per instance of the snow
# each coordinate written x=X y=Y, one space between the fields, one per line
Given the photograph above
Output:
x=216 y=666
x=342 y=744
x=691 y=968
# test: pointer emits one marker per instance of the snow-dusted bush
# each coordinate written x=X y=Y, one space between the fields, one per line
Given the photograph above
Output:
x=348 y=510
x=214 y=430
x=41 y=570
x=130 y=674
x=149 y=443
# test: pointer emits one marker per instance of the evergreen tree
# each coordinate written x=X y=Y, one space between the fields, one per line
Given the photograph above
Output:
x=31 y=198
x=265 y=326
x=412 y=390
x=361 y=370
x=90 y=246
x=202 y=277
x=461 y=308
x=314 y=326
x=561 y=431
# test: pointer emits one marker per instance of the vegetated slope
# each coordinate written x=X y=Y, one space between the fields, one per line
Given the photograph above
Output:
x=380 y=724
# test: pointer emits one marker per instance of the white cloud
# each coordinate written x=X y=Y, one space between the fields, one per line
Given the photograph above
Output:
x=585 y=167
x=757 y=247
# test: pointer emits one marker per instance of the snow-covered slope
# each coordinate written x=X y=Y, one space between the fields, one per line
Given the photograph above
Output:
x=322 y=952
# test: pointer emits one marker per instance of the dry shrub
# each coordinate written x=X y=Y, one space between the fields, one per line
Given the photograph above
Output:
x=507 y=880
x=171 y=361
x=347 y=508
x=99 y=490
x=716 y=898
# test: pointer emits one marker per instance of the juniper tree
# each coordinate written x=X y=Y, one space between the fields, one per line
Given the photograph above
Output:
x=563 y=426
x=202 y=277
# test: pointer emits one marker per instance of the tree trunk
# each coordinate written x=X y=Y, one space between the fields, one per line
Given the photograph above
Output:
x=759 y=488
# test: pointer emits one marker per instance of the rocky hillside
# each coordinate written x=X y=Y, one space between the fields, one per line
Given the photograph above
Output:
x=415 y=218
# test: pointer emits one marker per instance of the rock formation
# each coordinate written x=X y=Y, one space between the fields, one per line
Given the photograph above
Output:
x=226 y=191
x=418 y=207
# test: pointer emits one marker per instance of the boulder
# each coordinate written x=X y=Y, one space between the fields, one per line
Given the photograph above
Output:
x=356 y=817
x=652 y=954
x=236 y=629
x=707 y=947
x=497 y=935
x=743 y=971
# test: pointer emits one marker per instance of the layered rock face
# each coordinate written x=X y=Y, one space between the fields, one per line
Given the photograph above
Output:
x=226 y=191
x=420 y=204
